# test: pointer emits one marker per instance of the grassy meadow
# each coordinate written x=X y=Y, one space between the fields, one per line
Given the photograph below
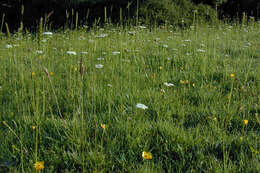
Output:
x=131 y=99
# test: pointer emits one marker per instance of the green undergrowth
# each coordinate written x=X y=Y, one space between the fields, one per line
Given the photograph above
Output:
x=77 y=111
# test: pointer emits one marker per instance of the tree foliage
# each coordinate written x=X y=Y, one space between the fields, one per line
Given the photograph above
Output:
x=177 y=12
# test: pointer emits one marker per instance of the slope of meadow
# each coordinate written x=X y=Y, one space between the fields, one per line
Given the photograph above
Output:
x=95 y=101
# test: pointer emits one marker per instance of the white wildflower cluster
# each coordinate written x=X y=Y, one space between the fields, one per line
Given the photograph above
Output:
x=141 y=106
x=71 y=53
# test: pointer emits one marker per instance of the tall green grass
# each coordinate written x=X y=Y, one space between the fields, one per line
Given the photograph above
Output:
x=53 y=102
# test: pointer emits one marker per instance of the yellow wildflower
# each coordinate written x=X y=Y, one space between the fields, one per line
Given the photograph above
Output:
x=51 y=73
x=182 y=81
x=160 y=67
x=39 y=166
x=245 y=122
x=185 y=82
x=33 y=73
x=147 y=155
x=33 y=127
x=103 y=126
x=215 y=118
x=232 y=75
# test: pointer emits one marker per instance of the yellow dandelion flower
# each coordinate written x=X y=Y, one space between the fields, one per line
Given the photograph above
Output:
x=104 y=126
x=160 y=67
x=232 y=75
x=182 y=82
x=193 y=84
x=215 y=119
x=185 y=82
x=51 y=73
x=33 y=127
x=245 y=122
x=39 y=166
x=33 y=73
x=147 y=155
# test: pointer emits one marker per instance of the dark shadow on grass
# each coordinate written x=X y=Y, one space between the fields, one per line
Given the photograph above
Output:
x=195 y=119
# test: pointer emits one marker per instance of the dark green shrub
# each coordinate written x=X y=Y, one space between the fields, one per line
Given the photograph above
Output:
x=210 y=2
x=237 y=8
x=175 y=12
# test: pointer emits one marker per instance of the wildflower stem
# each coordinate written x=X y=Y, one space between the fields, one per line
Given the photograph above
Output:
x=49 y=77
x=229 y=102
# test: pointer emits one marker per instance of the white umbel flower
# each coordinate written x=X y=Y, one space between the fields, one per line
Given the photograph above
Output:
x=99 y=65
x=168 y=84
x=8 y=46
x=71 y=53
x=141 y=106
x=47 y=33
